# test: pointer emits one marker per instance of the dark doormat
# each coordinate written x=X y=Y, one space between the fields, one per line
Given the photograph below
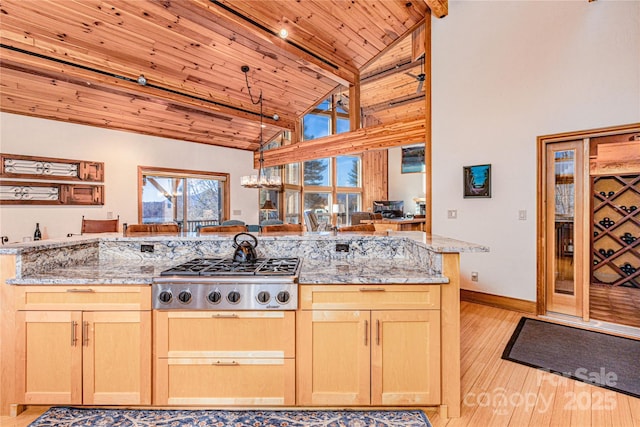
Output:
x=592 y=357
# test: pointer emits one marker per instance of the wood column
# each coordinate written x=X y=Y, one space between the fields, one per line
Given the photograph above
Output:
x=428 y=205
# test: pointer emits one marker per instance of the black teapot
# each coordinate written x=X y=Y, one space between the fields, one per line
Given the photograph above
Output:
x=245 y=250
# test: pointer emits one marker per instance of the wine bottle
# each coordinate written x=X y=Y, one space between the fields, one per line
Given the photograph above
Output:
x=37 y=235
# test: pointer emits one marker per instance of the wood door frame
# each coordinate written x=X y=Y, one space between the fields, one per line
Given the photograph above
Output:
x=542 y=142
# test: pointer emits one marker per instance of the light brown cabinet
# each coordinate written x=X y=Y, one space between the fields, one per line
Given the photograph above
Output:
x=69 y=356
x=368 y=345
x=224 y=358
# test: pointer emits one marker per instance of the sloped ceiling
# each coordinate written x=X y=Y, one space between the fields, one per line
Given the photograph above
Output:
x=80 y=61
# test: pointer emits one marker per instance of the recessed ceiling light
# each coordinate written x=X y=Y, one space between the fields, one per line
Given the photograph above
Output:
x=283 y=33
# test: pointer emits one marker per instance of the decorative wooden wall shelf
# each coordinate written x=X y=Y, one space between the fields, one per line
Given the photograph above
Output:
x=30 y=167
x=45 y=193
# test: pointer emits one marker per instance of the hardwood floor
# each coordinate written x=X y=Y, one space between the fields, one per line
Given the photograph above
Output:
x=615 y=304
x=501 y=393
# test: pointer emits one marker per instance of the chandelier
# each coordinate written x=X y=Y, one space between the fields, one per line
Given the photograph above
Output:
x=261 y=180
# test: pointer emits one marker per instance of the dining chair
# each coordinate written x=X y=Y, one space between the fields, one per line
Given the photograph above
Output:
x=209 y=229
x=151 y=228
x=99 y=225
x=359 y=227
x=282 y=228
x=311 y=220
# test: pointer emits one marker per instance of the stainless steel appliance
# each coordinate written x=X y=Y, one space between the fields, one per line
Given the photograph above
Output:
x=226 y=284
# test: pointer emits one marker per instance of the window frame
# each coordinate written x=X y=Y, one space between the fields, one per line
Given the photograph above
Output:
x=182 y=174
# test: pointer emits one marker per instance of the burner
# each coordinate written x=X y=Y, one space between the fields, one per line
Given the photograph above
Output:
x=229 y=267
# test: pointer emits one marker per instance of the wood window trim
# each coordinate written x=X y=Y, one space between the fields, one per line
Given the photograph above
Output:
x=151 y=170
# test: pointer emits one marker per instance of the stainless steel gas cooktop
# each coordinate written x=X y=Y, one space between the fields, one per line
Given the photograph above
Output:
x=225 y=284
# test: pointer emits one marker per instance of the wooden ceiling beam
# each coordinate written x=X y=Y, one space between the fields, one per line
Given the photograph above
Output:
x=358 y=141
x=39 y=65
x=393 y=103
x=342 y=73
x=439 y=8
x=403 y=65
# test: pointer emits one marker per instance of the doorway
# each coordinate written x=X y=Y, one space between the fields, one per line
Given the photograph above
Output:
x=588 y=232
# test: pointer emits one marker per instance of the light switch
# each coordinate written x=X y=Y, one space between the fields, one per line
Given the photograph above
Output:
x=522 y=214
x=452 y=214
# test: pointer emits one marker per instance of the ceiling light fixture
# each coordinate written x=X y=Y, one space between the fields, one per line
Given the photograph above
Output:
x=261 y=180
x=283 y=33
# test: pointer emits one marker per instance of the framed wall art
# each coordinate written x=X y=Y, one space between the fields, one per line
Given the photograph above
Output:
x=413 y=159
x=477 y=181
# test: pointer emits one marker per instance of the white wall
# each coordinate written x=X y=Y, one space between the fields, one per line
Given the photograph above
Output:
x=505 y=72
x=404 y=186
x=122 y=153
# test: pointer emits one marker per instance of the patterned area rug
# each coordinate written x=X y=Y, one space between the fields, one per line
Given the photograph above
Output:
x=81 y=417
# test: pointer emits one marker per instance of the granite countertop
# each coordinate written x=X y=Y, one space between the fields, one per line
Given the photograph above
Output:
x=432 y=242
x=329 y=271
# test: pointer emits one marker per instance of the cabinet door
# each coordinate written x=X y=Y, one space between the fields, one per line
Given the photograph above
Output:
x=117 y=357
x=333 y=357
x=405 y=357
x=49 y=357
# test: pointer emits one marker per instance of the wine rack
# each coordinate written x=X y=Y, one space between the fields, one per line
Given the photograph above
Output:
x=615 y=255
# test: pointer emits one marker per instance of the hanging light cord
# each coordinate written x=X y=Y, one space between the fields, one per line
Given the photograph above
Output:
x=259 y=101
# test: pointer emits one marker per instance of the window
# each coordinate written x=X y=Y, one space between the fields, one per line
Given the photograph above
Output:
x=336 y=180
x=320 y=204
x=189 y=198
x=348 y=171
x=317 y=172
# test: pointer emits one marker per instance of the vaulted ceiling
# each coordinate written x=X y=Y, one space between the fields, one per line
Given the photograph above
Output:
x=82 y=61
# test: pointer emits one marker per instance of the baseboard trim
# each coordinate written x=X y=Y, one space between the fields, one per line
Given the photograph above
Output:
x=507 y=303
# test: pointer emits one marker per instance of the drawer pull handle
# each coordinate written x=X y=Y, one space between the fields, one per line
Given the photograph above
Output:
x=366 y=332
x=220 y=363
x=378 y=331
x=74 y=338
x=372 y=289
x=222 y=316
x=81 y=290
x=85 y=333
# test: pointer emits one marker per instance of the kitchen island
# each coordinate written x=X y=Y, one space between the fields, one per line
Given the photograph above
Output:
x=108 y=276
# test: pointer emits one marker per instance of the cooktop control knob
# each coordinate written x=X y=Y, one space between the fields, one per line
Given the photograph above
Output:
x=165 y=297
x=233 y=297
x=263 y=297
x=184 y=296
x=214 y=297
x=283 y=297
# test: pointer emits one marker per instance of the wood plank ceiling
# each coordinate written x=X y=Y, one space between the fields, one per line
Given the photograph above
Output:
x=80 y=61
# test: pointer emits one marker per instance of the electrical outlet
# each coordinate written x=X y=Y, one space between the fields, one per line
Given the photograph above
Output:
x=109 y=215
x=146 y=248
x=237 y=212
x=474 y=276
x=342 y=247
x=522 y=214
x=452 y=214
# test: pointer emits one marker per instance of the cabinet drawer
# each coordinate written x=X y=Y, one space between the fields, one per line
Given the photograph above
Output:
x=83 y=297
x=267 y=334
x=369 y=297
x=226 y=381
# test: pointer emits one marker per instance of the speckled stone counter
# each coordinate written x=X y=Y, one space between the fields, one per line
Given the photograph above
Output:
x=110 y=259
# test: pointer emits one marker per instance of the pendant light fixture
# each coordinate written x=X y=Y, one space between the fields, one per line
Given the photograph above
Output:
x=261 y=180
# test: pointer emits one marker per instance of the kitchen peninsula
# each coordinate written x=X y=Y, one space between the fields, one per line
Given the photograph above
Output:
x=76 y=310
